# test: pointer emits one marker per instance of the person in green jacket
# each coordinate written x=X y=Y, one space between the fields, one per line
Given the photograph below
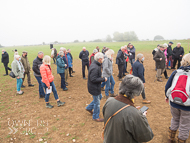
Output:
x=18 y=70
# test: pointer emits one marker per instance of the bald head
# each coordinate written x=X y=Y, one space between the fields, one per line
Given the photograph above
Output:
x=84 y=49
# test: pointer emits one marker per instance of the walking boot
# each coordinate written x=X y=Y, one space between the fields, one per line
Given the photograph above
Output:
x=145 y=101
x=113 y=95
x=159 y=80
x=59 y=103
x=171 y=136
x=102 y=89
x=181 y=141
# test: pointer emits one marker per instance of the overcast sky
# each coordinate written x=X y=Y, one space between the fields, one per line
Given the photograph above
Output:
x=36 y=21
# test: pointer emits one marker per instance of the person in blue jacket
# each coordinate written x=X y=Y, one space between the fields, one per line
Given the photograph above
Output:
x=61 y=69
x=180 y=114
x=70 y=62
x=138 y=71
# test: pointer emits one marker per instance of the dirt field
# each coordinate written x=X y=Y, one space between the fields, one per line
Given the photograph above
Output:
x=71 y=122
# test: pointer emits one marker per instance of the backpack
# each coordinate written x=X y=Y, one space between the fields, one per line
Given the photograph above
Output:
x=179 y=91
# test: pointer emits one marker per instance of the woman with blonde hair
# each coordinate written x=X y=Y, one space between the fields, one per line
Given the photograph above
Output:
x=176 y=94
x=47 y=81
x=107 y=72
x=18 y=70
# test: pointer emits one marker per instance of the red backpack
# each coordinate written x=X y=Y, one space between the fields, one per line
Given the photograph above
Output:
x=179 y=91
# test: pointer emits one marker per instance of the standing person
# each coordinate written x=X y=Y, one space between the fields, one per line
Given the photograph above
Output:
x=180 y=112
x=103 y=50
x=61 y=69
x=85 y=61
x=138 y=71
x=107 y=72
x=54 y=55
x=178 y=53
x=120 y=60
x=98 y=49
x=26 y=64
x=165 y=53
x=47 y=81
x=69 y=52
x=131 y=52
x=169 y=55
x=160 y=62
x=94 y=86
x=92 y=56
x=130 y=125
x=70 y=63
x=126 y=60
x=18 y=70
x=36 y=68
x=154 y=52
x=5 y=61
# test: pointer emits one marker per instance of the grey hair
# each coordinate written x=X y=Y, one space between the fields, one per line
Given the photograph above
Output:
x=98 y=56
x=139 y=56
x=109 y=53
x=16 y=56
x=131 y=86
x=40 y=53
x=165 y=45
x=47 y=60
x=186 y=60
x=63 y=49
x=61 y=53
x=122 y=47
x=178 y=43
x=95 y=51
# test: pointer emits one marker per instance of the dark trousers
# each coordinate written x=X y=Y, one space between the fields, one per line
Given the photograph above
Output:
x=70 y=70
x=62 y=80
x=28 y=78
x=143 y=94
x=83 y=67
x=175 y=61
x=54 y=60
x=120 y=67
x=6 y=68
x=41 y=91
x=171 y=61
x=165 y=73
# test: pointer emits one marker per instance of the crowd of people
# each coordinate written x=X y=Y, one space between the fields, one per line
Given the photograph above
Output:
x=130 y=124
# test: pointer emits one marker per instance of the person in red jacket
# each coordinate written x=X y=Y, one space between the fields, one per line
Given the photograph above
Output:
x=47 y=81
x=92 y=56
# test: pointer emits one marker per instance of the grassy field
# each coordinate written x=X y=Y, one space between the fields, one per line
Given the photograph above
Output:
x=71 y=122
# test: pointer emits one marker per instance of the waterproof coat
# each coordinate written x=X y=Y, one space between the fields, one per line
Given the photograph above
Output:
x=177 y=52
x=95 y=79
x=60 y=65
x=15 y=69
x=36 y=66
x=46 y=74
x=138 y=70
x=26 y=64
x=84 y=56
x=107 y=67
x=5 y=58
x=120 y=60
x=132 y=51
x=160 y=64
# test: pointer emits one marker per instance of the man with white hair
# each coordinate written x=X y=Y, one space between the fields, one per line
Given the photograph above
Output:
x=120 y=60
x=178 y=53
x=94 y=86
x=5 y=61
x=138 y=71
x=92 y=56
x=85 y=61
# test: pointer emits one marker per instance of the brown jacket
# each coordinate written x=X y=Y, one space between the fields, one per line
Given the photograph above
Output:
x=26 y=64
x=160 y=64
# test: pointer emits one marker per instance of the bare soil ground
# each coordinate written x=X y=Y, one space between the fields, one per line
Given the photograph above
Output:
x=28 y=115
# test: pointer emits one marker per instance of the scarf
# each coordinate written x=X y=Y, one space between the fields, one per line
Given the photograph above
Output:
x=125 y=100
x=20 y=66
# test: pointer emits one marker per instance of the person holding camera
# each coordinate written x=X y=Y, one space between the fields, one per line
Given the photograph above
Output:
x=130 y=125
x=94 y=86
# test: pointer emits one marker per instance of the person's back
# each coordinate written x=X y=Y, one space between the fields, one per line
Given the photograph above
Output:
x=138 y=70
x=129 y=125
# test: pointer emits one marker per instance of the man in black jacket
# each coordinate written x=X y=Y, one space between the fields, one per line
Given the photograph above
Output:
x=178 y=53
x=94 y=86
x=169 y=55
x=36 y=68
x=5 y=61
x=120 y=60
x=85 y=61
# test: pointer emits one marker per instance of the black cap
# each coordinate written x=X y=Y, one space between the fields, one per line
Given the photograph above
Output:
x=171 y=42
x=15 y=50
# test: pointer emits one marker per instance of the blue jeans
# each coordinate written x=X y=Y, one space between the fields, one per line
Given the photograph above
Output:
x=53 y=89
x=41 y=91
x=103 y=84
x=95 y=104
x=62 y=80
x=108 y=86
x=19 y=83
x=132 y=61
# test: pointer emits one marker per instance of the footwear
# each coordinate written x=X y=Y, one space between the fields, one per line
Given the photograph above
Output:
x=167 y=77
x=65 y=89
x=59 y=103
x=73 y=71
x=66 y=84
x=22 y=86
x=124 y=75
x=84 y=77
x=168 y=69
x=171 y=136
x=102 y=89
x=120 y=79
x=20 y=92
x=113 y=95
x=107 y=97
x=145 y=101
x=30 y=85
x=91 y=112
x=99 y=120
x=5 y=74
x=48 y=105
x=126 y=72
x=180 y=141
x=159 y=80
x=42 y=96
x=71 y=76
x=117 y=75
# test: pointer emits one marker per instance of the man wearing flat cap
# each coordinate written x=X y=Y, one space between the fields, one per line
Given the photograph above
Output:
x=26 y=65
